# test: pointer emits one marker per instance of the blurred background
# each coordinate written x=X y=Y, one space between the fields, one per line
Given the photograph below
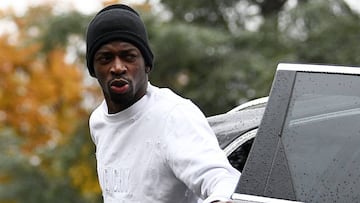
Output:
x=218 y=53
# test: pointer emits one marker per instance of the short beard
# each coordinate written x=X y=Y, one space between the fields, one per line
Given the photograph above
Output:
x=124 y=99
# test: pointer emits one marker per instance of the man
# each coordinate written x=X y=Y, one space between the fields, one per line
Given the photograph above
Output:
x=151 y=144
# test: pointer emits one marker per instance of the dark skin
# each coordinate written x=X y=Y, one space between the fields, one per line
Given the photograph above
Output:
x=121 y=72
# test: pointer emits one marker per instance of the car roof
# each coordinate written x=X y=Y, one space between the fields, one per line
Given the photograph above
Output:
x=236 y=122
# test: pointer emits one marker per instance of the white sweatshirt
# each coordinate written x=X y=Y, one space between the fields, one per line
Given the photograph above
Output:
x=161 y=149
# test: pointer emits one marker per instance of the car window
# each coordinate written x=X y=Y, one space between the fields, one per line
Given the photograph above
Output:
x=321 y=137
x=238 y=157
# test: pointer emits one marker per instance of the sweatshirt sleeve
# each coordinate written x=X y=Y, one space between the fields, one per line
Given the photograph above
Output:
x=193 y=153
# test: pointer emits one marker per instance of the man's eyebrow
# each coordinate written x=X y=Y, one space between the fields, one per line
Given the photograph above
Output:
x=128 y=49
x=124 y=50
x=102 y=51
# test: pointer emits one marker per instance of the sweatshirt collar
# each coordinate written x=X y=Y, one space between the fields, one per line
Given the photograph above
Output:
x=132 y=112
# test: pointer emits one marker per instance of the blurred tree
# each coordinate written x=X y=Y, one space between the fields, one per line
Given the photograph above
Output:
x=324 y=32
x=204 y=12
x=244 y=57
x=42 y=177
x=230 y=15
x=47 y=151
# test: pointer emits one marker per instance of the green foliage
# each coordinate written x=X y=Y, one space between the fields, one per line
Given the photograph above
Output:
x=332 y=41
x=57 y=29
x=222 y=14
x=191 y=60
x=212 y=67
x=39 y=178
x=205 y=12
x=242 y=63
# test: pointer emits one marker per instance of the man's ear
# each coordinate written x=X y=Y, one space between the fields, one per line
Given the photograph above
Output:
x=147 y=69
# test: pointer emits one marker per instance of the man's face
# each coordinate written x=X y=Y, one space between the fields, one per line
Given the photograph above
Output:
x=122 y=74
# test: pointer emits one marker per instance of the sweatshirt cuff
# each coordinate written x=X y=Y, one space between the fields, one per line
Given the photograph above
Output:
x=215 y=198
x=223 y=191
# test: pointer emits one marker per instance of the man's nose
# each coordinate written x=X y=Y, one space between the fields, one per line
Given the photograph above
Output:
x=118 y=67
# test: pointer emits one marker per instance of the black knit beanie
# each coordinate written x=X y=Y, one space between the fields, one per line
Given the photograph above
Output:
x=116 y=22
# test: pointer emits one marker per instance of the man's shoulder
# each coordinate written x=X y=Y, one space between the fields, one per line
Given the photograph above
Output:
x=97 y=111
x=172 y=103
x=168 y=97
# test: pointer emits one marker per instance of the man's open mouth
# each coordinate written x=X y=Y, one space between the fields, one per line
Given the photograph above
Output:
x=119 y=86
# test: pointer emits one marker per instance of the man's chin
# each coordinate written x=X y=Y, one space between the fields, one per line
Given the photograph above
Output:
x=120 y=98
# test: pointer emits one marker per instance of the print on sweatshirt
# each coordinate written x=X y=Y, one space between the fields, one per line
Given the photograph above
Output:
x=114 y=180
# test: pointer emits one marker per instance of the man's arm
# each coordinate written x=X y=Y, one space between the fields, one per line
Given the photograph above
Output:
x=194 y=155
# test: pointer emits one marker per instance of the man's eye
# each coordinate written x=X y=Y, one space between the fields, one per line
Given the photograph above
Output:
x=104 y=58
x=131 y=57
